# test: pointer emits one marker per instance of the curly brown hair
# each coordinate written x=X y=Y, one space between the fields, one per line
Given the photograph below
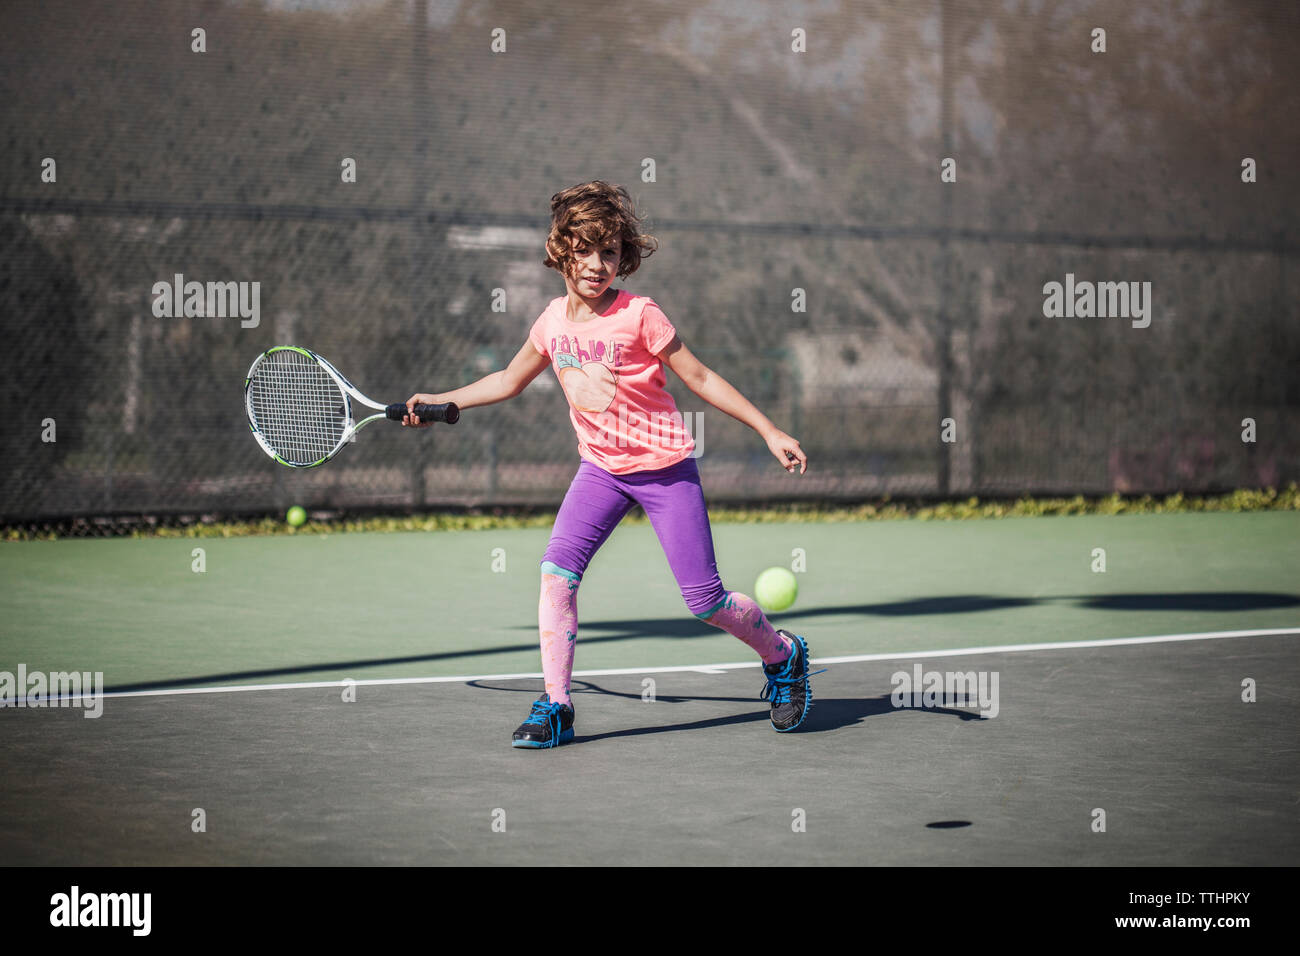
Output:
x=594 y=212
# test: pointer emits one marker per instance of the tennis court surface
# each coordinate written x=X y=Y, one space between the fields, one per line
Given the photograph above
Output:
x=228 y=696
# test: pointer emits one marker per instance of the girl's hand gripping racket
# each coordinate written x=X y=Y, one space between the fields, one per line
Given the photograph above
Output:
x=300 y=407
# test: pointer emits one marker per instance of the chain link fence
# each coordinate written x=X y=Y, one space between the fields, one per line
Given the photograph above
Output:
x=811 y=250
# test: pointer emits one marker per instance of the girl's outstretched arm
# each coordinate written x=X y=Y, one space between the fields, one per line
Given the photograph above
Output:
x=490 y=389
x=721 y=394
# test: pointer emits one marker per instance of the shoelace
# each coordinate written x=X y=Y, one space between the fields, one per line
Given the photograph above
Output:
x=542 y=712
x=778 y=686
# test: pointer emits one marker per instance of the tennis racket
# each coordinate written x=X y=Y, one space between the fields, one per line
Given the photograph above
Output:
x=300 y=407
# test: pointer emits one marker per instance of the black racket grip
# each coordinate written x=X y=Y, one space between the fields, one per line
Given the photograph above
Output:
x=448 y=413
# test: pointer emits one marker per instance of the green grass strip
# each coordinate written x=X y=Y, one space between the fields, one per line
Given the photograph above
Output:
x=886 y=509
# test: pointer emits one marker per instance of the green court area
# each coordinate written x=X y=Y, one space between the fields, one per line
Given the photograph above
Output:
x=671 y=767
x=298 y=608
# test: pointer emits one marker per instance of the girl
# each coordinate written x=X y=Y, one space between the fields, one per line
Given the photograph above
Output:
x=609 y=348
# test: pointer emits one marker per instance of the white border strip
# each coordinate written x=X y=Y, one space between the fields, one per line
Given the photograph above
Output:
x=690 y=668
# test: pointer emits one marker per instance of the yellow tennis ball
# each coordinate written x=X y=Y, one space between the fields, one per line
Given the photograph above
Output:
x=776 y=589
x=296 y=516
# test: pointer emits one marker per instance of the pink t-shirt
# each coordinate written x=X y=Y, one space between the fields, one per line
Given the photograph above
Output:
x=608 y=367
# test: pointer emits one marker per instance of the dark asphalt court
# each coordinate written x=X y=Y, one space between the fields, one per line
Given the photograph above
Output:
x=1156 y=735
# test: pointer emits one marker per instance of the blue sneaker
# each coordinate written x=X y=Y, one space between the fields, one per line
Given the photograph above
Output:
x=787 y=686
x=549 y=725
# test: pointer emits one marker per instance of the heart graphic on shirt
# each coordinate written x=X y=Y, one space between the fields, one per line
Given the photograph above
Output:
x=590 y=387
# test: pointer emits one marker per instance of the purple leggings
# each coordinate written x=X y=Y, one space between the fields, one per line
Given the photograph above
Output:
x=673 y=501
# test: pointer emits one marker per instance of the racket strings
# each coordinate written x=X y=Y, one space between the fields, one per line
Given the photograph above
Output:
x=297 y=407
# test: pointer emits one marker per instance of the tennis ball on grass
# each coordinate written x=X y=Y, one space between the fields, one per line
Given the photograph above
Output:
x=296 y=516
x=776 y=589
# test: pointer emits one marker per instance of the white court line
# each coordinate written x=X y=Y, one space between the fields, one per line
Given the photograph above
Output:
x=697 y=668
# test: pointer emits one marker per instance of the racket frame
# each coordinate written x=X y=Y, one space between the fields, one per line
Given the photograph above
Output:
x=350 y=392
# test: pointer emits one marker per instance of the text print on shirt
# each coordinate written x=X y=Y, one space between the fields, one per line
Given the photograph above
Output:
x=587 y=380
